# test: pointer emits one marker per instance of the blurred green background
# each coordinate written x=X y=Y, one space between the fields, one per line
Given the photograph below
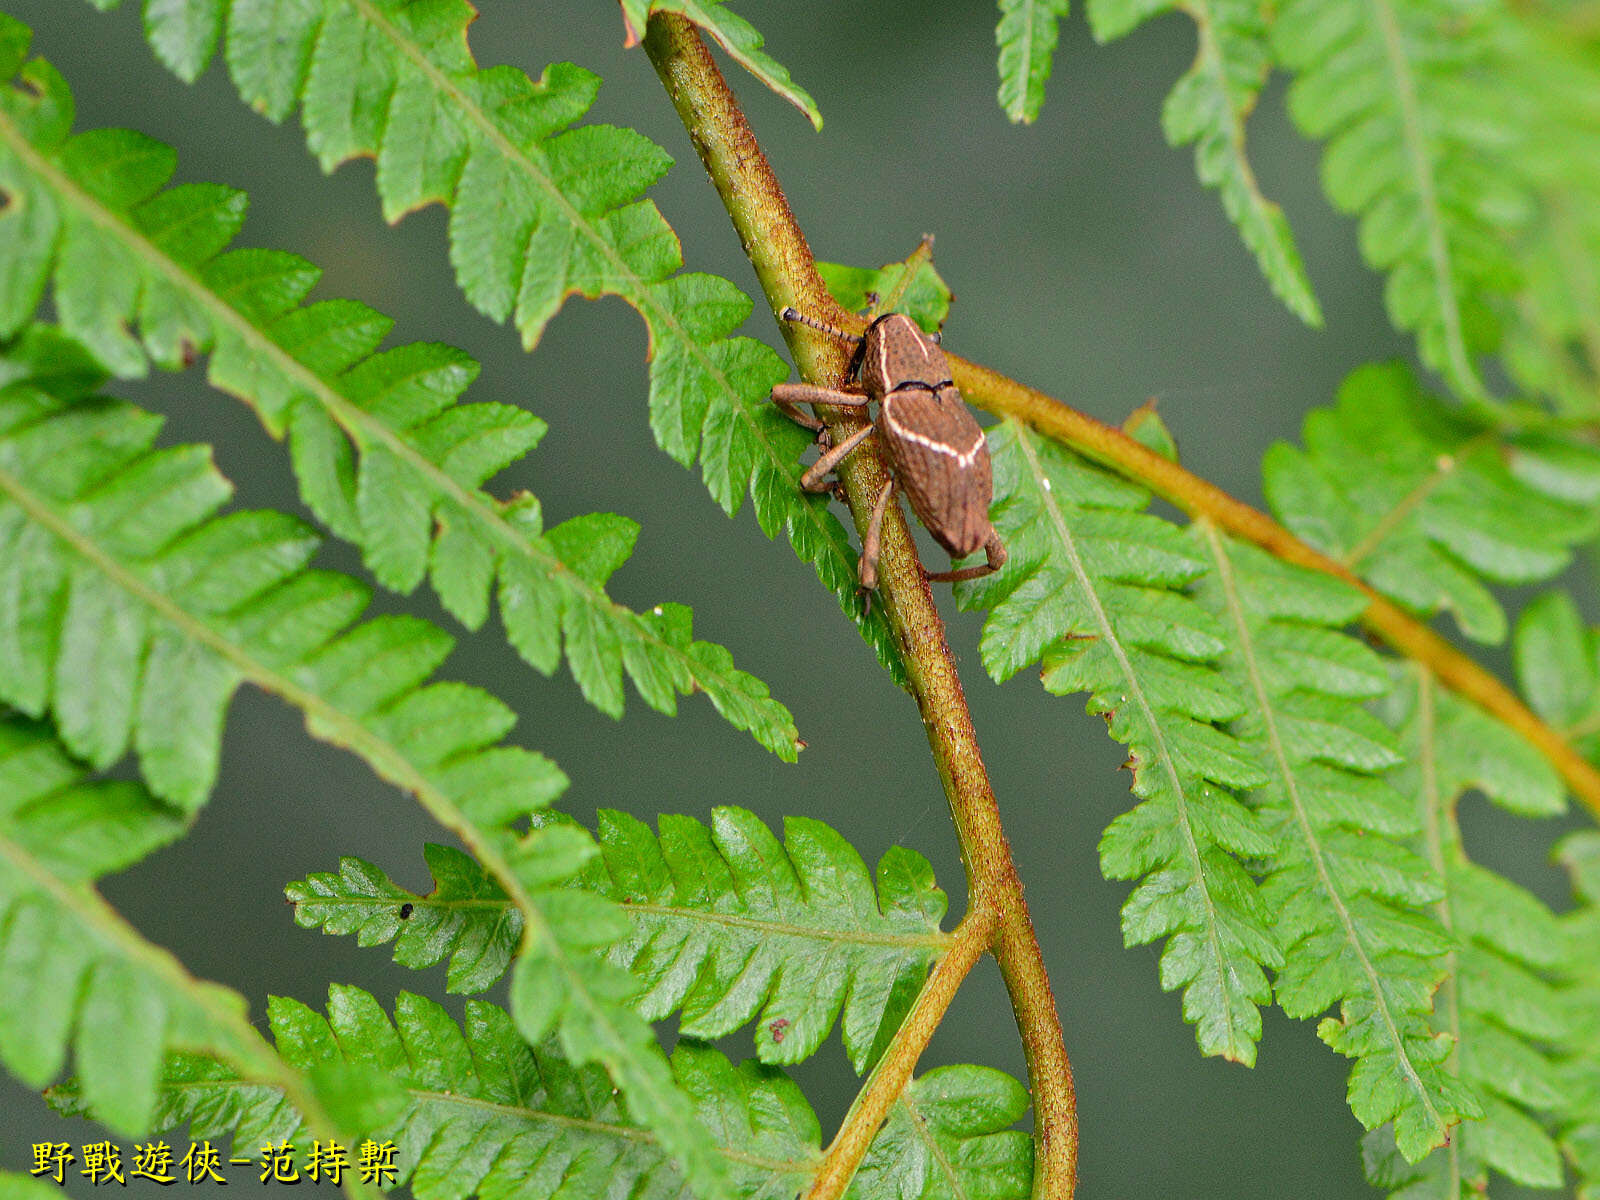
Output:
x=1085 y=260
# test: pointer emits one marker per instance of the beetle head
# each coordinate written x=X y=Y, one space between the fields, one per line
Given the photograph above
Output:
x=896 y=352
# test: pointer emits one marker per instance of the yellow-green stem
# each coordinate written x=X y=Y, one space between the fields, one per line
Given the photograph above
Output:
x=1195 y=496
x=893 y=1073
x=787 y=271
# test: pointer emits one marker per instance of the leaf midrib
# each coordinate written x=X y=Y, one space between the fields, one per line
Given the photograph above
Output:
x=631 y=1133
x=936 y=942
x=641 y=295
x=1267 y=712
x=356 y=421
x=1433 y=807
x=1405 y=91
x=1136 y=691
x=385 y=758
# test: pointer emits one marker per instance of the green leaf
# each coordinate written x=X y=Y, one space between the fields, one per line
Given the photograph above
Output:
x=99 y=531
x=486 y=1114
x=1558 y=669
x=966 y=1108
x=538 y=214
x=1430 y=504
x=925 y=297
x=1551 y=345
x=1422 y=144
x=385 y=455
x=1347 y=893
x=14 y=1186
x=736 y=36
x=1026 y=36
x=1209 y=106
x=73 y=973
x=1498 y=1013
x=1145 y=426
x=1097 y=589
x=730 y=926
x=466 y=916
x=1577 y=1121
x=725 y=926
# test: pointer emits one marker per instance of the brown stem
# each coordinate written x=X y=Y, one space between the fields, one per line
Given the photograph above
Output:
x=1195 y=496
x=788 y=274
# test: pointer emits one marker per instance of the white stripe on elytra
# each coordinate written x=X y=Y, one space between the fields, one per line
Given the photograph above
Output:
x=965 y=459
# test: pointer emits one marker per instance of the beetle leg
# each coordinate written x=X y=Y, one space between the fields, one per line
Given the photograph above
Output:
x=867 y=568
x=788 y=396
x=812 y=480
x=994 y=550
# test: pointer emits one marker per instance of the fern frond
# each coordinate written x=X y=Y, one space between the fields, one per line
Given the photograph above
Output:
x=467 y=916
x=1096 y=588
x=72 y=971
x=1026 y=36
x=385 y=455
x=1346 y=892
x=1209 y=107
x=110 y=555
x=538 y=214
x=488 y=1115
x=726 y=924
x=925 y=297
x=729 y=925
x=1430 y=504
x=1558 y=669
x=16 y=1186
x=1499 y=1013
x=1553 y=342
x=1422 y=147
x=1579 y=1118
x=735 y=35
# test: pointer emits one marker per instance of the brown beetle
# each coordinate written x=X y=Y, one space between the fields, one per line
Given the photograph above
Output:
x=935 y=449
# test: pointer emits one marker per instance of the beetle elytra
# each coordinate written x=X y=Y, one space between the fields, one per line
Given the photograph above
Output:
x=936 y=451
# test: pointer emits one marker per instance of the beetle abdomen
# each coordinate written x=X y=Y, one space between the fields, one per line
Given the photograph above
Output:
x=942 y=462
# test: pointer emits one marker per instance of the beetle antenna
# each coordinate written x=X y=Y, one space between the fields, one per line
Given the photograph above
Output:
x=794 y=314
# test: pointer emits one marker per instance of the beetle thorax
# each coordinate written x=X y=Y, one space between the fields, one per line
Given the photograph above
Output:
x=896 y=353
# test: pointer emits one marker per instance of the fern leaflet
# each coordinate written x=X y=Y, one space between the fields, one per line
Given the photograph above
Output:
x=1553 y=342
x=15 y=1186
x=467 y=916
x=925 y=297
x=538 y=214
x=1559 y=673
x=485 y=1114
x=1420 y=498
x=1420 y=145
x=110 y=554
x=73 y=971
x=1579 y=1117
x=735 y=35
x=1096 y=588
x=384 y=454
x=1026 y=36
x=727 y=925
x=1344 y=889
x=1558 y=669
x=1209 y=107
x=1499 y=1013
